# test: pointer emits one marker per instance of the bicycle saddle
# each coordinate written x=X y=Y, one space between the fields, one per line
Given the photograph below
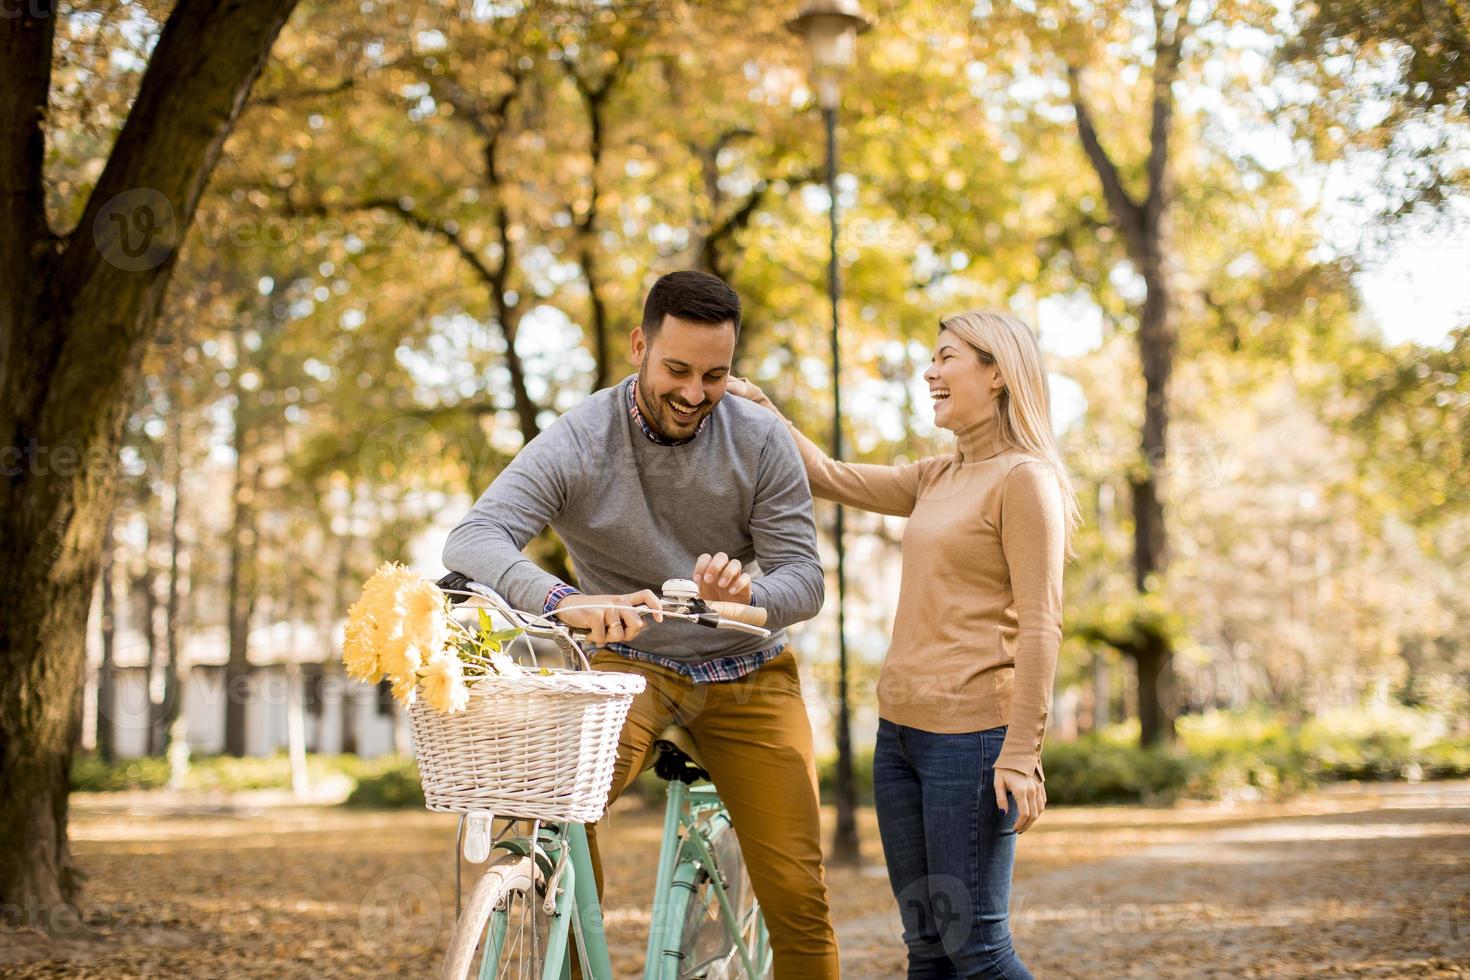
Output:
x=676 y=756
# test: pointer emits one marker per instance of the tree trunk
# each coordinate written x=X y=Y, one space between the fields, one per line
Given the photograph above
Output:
x=1156 y=347
x=144 y=587
x=172 y=705
x=77 y=313
x=509 y=315
x=1102 y=692
x=295 y=710
x=340 y=585
x=106 y=682
x=1143 y=227
x=601 y=329
x=1155 y=661
x=240 y=597
x=596 y=100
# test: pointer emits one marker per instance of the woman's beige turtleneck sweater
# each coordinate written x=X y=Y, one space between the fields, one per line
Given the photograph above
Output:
x=979 y=620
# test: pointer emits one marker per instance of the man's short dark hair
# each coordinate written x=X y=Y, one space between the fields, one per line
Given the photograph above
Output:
x=690 y=295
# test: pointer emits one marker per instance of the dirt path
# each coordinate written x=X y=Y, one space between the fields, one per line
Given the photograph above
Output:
x=1356 y=882
x=1372 y=883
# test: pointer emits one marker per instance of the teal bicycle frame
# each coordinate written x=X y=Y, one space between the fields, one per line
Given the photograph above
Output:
x=685 y=851
x=684 y=855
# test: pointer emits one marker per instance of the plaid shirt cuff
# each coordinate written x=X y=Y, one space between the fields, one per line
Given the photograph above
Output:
x=556 y=595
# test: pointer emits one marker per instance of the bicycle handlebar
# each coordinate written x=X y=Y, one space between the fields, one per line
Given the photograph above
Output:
x=680 y=600
x=739 y=612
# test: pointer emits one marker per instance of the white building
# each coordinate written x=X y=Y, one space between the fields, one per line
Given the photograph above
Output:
x=291 y=670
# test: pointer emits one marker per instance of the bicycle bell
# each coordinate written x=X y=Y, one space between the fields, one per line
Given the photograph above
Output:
x=681 y=595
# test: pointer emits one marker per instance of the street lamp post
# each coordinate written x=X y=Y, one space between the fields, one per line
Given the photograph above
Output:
x=830 y=28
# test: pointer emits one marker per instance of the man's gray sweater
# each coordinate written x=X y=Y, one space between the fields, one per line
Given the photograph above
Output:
x=634 y=513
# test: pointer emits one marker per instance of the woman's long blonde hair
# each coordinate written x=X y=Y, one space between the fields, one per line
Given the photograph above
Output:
x=1023 y=406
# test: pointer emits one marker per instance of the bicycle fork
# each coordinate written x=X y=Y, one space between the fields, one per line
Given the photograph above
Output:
x=590 y=932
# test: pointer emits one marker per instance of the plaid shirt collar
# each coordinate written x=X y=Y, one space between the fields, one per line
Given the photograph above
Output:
x=648 y=430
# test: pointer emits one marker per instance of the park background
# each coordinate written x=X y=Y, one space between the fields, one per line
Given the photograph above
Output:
x=1241 y=230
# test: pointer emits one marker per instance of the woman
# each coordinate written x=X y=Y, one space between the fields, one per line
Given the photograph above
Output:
x=965 y=687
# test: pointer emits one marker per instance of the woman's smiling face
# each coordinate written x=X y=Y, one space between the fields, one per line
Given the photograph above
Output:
x=962 y=383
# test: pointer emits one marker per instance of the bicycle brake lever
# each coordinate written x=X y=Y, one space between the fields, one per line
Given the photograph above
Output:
x=455 y=585
x=682 y=596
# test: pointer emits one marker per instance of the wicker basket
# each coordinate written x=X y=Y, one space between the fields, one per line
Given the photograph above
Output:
x=537 y=746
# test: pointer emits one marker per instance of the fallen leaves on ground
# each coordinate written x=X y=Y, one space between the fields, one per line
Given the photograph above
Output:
x=1360 y=881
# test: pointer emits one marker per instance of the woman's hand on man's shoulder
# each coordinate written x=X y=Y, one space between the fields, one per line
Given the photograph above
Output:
x=747 y=389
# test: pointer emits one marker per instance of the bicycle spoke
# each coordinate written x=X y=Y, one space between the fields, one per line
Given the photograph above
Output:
x=523 y=938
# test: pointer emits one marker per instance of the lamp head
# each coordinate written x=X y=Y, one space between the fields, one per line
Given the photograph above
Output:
x=830 y=28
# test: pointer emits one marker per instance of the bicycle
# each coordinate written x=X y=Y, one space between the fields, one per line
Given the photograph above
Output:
x=539 y=892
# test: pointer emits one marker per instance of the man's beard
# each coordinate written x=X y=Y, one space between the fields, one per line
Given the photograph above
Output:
x=661 y=416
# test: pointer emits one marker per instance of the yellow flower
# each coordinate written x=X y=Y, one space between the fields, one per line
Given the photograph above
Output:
x=398 y=626
x=425 y=618
x=442 y=682
x=358 y=652
x=380 y=593
x=400 y=662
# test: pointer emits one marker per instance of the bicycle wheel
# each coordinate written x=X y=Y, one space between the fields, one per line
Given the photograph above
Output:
x=706 y=947
x=503 y=929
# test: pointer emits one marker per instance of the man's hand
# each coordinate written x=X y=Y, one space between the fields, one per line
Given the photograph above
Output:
x=609 y=625
x=1029 y=792
x=721 y=580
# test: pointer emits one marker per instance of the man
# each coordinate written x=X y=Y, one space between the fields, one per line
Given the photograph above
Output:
x=661 y=477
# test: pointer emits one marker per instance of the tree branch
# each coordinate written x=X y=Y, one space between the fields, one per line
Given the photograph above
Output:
x=711 y=249
x=595 y=99
x=106 y=295
x=422 y=222
x=273 y=99
x=1167 y=45
x=471 y=108
x=1127 y=213
x=26 y=36
x=496 y=280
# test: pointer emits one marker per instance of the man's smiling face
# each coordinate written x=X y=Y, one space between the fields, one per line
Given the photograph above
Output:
x=682 y=373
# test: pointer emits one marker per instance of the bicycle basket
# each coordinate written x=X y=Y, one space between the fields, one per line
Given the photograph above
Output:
x=539 y=746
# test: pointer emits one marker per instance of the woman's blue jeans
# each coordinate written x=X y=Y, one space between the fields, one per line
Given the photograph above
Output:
x=949 y=850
